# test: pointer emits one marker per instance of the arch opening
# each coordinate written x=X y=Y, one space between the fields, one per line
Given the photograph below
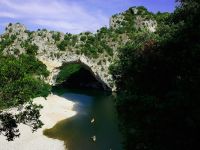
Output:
x=78 y=75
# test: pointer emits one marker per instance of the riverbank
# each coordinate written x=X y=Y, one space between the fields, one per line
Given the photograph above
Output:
x=55 y=109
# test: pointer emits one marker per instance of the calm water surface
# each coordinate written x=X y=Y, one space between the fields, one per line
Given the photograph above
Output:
x=77 y=131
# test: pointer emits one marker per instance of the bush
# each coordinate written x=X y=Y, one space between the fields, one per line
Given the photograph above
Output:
x=83 y=38
x=6 y=41
x=61 y=45
x=56 y=36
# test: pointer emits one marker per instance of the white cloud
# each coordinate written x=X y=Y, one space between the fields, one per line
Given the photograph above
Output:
x=7 y=15
x=61 y=25
x=61 y=15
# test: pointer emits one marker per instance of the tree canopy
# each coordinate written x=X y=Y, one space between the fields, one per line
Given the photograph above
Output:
x=20 y=82
x=159 y=103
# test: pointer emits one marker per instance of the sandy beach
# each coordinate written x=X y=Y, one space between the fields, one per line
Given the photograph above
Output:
x=55 y=108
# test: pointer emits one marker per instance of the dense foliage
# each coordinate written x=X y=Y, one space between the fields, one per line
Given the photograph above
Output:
x=87 y=43
x=68 y=42
x=18 y=80
x=21 y=79
x=6 y=41
x=31 y=49
x=159 y=78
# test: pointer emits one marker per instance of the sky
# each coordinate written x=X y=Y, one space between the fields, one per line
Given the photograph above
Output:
x=72 y=16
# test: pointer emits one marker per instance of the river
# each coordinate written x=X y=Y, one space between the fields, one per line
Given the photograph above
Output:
x=95 y=127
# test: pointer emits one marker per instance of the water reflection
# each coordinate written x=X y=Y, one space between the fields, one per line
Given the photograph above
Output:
x=78 y=132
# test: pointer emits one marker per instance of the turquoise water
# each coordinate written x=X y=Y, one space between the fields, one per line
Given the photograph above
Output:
x=77 y=131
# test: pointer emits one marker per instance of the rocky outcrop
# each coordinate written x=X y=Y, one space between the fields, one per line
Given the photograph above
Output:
x=139 y=16
x=53 y=58
x=115 y=21
x=56 y=48
x=148 y=24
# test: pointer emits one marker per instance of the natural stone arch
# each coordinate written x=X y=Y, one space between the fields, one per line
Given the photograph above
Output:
x=54 y=66
x=85 y=66
x=52 y=53
x=53 y=57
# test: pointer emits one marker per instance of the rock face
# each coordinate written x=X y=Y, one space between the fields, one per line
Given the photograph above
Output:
x=149 y=24
x=56 y=48
x=54 y=67
x=117 y=21
x=53 y=58
x=50 y=55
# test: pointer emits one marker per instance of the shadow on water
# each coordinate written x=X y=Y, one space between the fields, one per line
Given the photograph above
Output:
x=77 y=131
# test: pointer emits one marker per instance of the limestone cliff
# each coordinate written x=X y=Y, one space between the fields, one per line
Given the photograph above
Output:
x=94 y=50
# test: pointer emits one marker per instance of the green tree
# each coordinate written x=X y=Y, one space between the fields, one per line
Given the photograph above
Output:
x=19 y=83
x=159 y=103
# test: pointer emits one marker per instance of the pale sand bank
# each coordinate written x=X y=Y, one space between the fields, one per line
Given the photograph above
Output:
x=55 y=108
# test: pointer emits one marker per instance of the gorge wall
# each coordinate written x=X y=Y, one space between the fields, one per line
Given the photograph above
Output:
x=97 y=50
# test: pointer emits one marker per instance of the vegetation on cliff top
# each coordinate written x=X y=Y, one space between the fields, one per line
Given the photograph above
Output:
x=107 y=39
